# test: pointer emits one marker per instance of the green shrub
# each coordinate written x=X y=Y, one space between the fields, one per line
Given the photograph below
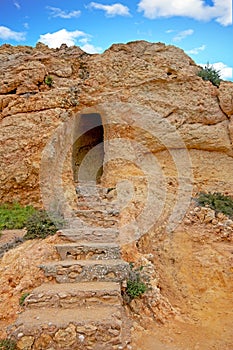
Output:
x=7 y=344
x=41 y=224
x=135 y=288
x=218 y=202
x=211 y=74
x=136 y=285
x=14 y=216
x=22 y=298
x=48 y=80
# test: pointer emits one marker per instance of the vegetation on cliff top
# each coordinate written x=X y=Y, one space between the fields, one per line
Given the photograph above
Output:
x=209 y=73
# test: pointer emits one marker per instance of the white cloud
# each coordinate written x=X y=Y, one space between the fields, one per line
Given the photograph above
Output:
x=57 y=12
x=221 y=11
x=26 y=25
x=170 y=31
x=17 y=5
x=224 y=71
x=111 y=10
x=8 y=34
x=63 y=36
x=196 y=50
x=89 y=48
x=182 y=35
x=84 y=40
x=60 y=37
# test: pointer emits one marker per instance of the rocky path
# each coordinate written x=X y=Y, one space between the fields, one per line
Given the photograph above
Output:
x=81 y=308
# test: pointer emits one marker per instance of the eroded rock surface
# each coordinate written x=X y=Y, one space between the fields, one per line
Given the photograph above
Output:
x=152 y=105
x=140 y=74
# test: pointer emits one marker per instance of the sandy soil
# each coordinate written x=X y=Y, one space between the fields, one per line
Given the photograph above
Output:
x=196 y=270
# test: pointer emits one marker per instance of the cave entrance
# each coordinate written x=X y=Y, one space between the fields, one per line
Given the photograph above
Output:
x=88 y=149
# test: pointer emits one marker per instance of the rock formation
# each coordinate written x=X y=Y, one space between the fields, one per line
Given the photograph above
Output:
x=135 y=88
x=139 y=120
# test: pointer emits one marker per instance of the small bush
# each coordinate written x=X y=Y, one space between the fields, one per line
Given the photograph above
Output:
x=14 y=216
x=218 y=202
x=41 y=224
x=210 y=74
x=49 y=80
x=22 y=298
x=7 y=344
x=136 y=285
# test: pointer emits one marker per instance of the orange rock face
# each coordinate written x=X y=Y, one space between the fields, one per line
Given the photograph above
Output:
x=120 y=85
x=167 y=135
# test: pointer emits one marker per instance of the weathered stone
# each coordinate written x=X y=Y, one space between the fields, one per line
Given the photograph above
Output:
x=42 y=342
x=25 y=343
x=89 y=234
x=87 y=329
x=74 y=295
x=93 y=251
x=66 y=337
x=209 y=216
x=141 y=74
x=120 y=85
x=87 y=270
x=225 y=97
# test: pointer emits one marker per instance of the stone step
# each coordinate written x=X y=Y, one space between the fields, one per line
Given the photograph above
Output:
x=109 y=207
x=88 y=234
x=74 y=295
x=97 y=217
x=65 y=329
x=88 y=192
x=97 y=213
x=88 y=251
x=87 y=270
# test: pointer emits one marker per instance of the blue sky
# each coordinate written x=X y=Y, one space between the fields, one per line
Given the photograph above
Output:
x=202 y=28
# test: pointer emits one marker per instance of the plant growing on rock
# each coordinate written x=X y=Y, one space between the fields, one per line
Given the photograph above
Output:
x=42 y=224
x=7 y=344
x=136 y=284
x=217 y=201
x=209 y=73
x=22 y=298
x=49 y=80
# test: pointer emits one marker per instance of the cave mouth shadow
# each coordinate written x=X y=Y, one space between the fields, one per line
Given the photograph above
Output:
x=88 y=149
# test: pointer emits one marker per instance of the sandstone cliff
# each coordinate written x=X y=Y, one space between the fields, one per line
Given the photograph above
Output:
x=163 y=129
x=151 y=75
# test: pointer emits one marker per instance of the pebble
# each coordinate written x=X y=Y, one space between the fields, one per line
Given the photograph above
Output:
x=81 y=338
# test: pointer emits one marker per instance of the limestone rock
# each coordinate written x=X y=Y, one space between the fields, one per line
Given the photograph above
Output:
x=66 y=337
x=226 y=97
x=42 y=342
x=147 y=94
x=25 y=343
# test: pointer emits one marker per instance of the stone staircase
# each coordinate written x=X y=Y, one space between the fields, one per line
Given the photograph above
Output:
x=81 y=308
